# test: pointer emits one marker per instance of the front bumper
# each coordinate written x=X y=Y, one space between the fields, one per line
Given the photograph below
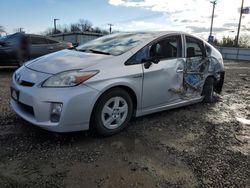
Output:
x=34 y=104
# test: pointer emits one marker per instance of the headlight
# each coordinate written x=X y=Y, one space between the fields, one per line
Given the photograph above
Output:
x=68 y=78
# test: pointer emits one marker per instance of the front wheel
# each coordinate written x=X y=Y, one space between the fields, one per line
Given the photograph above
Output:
x=112 y=112
x=208 y=90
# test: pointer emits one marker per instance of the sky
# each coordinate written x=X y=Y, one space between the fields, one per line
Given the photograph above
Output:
x=193 y=16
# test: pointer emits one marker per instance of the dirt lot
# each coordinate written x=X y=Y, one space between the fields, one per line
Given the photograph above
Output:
x=203 y=145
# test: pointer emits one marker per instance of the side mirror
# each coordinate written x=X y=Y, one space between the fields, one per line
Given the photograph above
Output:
x=154 y=60
x=148 y=61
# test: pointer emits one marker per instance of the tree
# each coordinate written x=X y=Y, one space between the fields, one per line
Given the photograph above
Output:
x=49 y=31
x=97 y=30
x=2 y=29
x=227 y=42
x=224 y=42
x=244 y=41
x=85 y=25
x=216 y=42
x=80 y=26
x=65 y=29
x=74 y=28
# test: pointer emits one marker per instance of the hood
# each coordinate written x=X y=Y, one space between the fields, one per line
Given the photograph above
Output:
x=65 y=60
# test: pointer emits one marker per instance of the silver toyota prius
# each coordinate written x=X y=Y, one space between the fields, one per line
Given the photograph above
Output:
x=100 y=85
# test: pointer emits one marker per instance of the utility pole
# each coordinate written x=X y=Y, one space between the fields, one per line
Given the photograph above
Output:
x=110 y=28
x=238 y=33
x=212 y=20
x=20 y=29
x=55 y=19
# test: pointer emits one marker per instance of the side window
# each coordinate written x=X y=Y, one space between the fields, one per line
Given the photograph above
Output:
x=50 y=41
x=13 y=39
x=195 y=48
x=167 y=48
x=38 y=40
x=138 y=57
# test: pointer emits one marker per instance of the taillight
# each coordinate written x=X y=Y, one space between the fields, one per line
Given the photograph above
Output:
x=70 y=45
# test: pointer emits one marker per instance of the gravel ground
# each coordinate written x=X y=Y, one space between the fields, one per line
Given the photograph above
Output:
x=203 y=145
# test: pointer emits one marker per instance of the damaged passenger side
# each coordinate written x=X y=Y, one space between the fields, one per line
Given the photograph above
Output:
x=197 y=67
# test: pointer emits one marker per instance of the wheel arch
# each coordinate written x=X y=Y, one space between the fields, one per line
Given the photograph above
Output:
x=218 y=81
x=128 y=89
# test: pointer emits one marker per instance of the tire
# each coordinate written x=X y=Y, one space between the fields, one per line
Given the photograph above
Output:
x=112 y=112
x=208 y=90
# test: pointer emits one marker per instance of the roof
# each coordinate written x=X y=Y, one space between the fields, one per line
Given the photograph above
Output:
x=155 y=33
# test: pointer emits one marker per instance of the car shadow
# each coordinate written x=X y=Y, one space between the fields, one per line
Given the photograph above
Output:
x=36 y=135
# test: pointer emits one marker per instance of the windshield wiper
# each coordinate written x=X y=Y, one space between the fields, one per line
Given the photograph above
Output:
x=95 y=51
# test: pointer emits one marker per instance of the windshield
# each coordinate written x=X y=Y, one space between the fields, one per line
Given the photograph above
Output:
x=5 y=38
x=115 y=44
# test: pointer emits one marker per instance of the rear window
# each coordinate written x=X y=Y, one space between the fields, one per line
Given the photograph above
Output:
x=38 y=40
x=3 y=38
x=9 y=37
x=51 y=41
x=194 y=47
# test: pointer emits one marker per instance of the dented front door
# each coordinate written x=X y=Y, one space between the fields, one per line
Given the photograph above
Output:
x=163 y=81
x=160 y=81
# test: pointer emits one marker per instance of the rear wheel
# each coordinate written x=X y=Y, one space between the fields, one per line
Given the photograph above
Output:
x=208 y=90
x=112 y=112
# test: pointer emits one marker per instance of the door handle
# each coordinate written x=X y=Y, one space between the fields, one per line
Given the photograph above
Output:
x=179 y=70
x=50 y=48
